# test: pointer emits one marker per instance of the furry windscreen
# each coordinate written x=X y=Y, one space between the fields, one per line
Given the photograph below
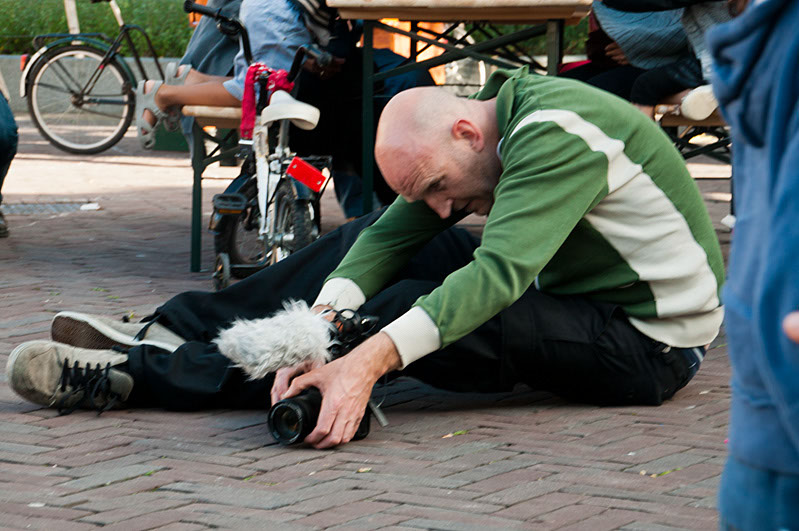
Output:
x=291 y=336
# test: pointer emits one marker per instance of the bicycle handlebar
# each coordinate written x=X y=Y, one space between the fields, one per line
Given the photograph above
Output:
x=191 y=7
x=226 y=25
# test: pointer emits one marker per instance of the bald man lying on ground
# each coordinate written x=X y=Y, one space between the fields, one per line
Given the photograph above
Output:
x=597 y=276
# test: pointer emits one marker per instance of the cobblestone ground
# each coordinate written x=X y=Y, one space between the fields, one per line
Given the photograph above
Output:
x=512 y=461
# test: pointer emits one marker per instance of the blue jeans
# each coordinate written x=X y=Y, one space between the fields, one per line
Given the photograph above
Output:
x=8 y=140
x=757 y=499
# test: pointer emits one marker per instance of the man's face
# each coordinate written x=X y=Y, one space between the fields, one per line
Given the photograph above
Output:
x=461 y=179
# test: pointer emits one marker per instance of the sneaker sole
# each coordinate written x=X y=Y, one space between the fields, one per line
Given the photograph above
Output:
x=85 y=332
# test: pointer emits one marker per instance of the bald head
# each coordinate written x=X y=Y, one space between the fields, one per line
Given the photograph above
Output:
x=416 y=125
x=439 y=148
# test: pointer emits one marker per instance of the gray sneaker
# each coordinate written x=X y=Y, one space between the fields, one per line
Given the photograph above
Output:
x=97 y=332
x=65 y=377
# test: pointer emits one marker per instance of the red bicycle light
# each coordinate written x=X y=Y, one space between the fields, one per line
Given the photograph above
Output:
x=23 y=60
x=306 y=174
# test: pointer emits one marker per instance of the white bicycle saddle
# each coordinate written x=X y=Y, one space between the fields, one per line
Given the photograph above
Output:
x=283 y=107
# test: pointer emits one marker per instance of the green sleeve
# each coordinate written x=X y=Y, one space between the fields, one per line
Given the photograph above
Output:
x=550 y=179
x=382 y=249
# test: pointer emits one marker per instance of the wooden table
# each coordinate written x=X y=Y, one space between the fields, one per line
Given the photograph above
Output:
x=543 y=17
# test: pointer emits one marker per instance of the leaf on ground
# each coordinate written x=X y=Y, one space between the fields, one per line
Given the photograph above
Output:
x=665 y=472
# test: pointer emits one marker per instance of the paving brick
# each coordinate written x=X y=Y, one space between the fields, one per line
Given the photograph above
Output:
x=106 y=477
x=38 y=510
x=129 y=511
x=446 y=503
x=531 y=509
x=437 y=518
x=345 y=513
x=606 y=521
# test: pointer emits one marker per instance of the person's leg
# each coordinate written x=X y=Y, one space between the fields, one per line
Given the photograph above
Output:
x=618 y=81
x=655 y=85
x=276 y=31
x=752 y=498
x=8 y=148
x=572 y=347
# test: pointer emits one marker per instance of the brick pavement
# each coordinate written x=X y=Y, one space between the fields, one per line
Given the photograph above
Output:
x=521 y=461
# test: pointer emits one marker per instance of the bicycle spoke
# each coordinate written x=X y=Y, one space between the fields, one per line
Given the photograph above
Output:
x=55 y=88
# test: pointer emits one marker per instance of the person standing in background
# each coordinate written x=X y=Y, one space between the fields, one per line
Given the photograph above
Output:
x=756 y=81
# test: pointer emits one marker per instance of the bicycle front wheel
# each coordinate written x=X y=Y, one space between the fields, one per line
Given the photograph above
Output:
x=76 y=105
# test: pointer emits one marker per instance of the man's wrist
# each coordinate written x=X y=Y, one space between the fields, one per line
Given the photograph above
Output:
x=379 y=355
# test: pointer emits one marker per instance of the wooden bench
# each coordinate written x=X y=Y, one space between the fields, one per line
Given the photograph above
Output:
x=225 y=147
x=683 y=130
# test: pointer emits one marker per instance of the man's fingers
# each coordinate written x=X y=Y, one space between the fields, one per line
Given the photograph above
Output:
x=791 y=326
x=283 y=378
x=327 y=417
x=340 y=433
x=299 y=384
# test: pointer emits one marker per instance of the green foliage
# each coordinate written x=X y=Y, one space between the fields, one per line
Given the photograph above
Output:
x=164 y=21
x=574 y=38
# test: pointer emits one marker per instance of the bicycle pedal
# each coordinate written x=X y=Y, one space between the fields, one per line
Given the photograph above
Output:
x=229 y=203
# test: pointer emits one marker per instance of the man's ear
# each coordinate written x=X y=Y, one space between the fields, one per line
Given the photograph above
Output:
x=463 y=129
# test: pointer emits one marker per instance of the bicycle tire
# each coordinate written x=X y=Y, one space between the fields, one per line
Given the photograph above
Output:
x=292 y=216
x=67 y=122
x=238 y=236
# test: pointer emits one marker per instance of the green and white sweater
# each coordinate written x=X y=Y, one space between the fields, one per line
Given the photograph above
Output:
x=593 y=200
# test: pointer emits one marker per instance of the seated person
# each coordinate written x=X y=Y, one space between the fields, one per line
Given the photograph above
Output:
x=645 y=57
x=597 y=276
x=277 y=29
x=684 y=82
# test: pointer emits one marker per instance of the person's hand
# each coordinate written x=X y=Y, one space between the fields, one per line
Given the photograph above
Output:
x=346 y=385
x=615 y=54
x=791 y=326
x=284 y=376
x=327 y=72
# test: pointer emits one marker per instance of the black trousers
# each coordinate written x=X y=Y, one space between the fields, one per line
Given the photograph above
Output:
x=579 y=349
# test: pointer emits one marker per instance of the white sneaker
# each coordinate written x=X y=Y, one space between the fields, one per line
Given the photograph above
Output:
x=98 y=332
x=699 y=104
x=56 y=375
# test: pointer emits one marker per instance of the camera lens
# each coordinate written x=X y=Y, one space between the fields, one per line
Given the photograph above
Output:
x=286 y=422
x=292 y=419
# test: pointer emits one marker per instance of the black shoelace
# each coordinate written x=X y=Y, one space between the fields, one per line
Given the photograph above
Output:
x=92 y=383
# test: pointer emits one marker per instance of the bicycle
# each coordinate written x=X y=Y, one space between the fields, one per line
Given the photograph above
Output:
x=79 y=88
x=272 y=208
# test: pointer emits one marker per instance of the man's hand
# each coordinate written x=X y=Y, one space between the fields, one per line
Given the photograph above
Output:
x=284 y=376
x=346 y=385
x=791 y=326
x=616 y=54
